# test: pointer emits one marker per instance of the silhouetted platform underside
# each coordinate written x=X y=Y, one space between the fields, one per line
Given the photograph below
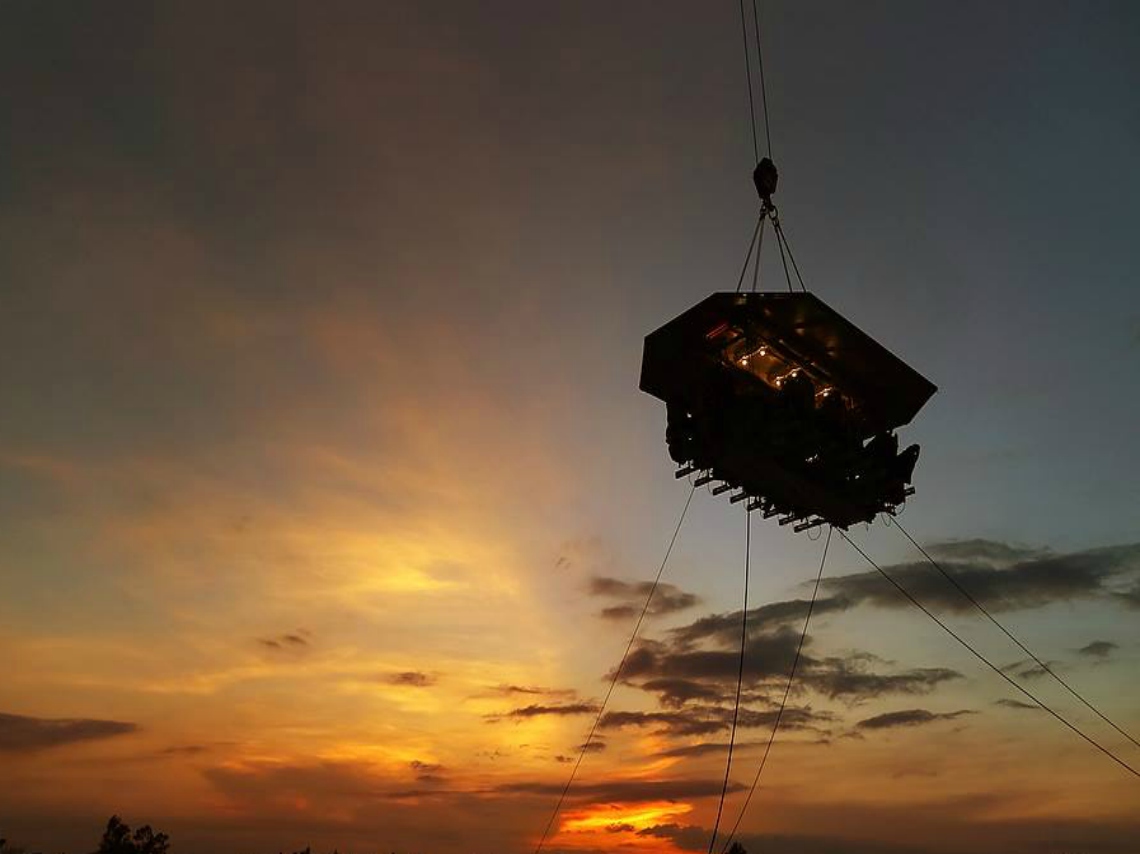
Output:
x=778 y=397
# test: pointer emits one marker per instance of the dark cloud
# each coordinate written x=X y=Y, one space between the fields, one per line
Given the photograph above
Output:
x=1098 y=649
x=538 y=711
x=685 y=837
x=621 y=828
x=1129 y=598
x=675 y=693
x=987 y=551
x=725 y=628
x=909 y=718
x=766 y=656
x=707 y=720
x=678 y=673
x=296 y=641
x=185 y=750
x=509 y=690
x=22 y=734
x=1018 y=704
x=412 y=678
x=667 y=599
x=705 y=748
x=1001 y=575
x=624 y=791
x=1018 y=580
x=597 y=745
x=838 y=679
x=1028 y=669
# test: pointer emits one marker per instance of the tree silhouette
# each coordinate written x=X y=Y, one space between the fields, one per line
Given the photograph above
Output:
x=5 y=848
x=118 y=839
x=737 y=848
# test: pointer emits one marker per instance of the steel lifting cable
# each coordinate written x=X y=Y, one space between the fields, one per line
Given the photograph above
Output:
x=748 y=75
x=767 y=210
x=1045 y=667
x=739 y=677
x=779 y=229
x=617 y=671
x=763 y=88
x=748 y=256
x=759 y=247
x=987 y=662
x=784 y=699
x=780 y=244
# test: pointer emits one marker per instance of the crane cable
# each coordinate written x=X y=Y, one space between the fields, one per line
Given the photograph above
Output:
x=763 y=88
x=768 y=210
x=987 y=662
x=780 y=244
x=784 y=700
x=617 y=671
x=748 y=76
x=748 y=73
x=739 y=677
x=1045 y=667
x=759 y=246
x=782 y=238
x=757 y=232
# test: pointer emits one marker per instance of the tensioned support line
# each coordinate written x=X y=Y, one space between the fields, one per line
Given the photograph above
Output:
x=987 y=662
x=1045 y=667
x=784 y=700
x=617 y=671
x=739 y=677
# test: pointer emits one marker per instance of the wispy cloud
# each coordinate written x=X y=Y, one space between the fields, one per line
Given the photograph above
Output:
x=909 y=718
x=1029 y=669
x=992 y=552
x=725 y=628
x=678 y=672
x=1098 y=649
x=23 y=734
x=295 y=641
x=667 y=598
x=624 y=790
x=1000 y=576
x=412 y=679
x=540 y=711
x=1017 y=704
x=707 y=720
x=532 y=690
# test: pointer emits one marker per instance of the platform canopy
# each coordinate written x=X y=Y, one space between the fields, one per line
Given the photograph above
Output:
x=760 y=339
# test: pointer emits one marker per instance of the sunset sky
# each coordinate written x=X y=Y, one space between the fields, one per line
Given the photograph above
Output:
x=328 y=497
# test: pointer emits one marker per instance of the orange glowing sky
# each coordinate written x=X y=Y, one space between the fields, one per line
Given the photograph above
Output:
x=326 y=489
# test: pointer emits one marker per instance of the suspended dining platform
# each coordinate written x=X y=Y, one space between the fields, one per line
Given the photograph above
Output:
x=779 y=399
